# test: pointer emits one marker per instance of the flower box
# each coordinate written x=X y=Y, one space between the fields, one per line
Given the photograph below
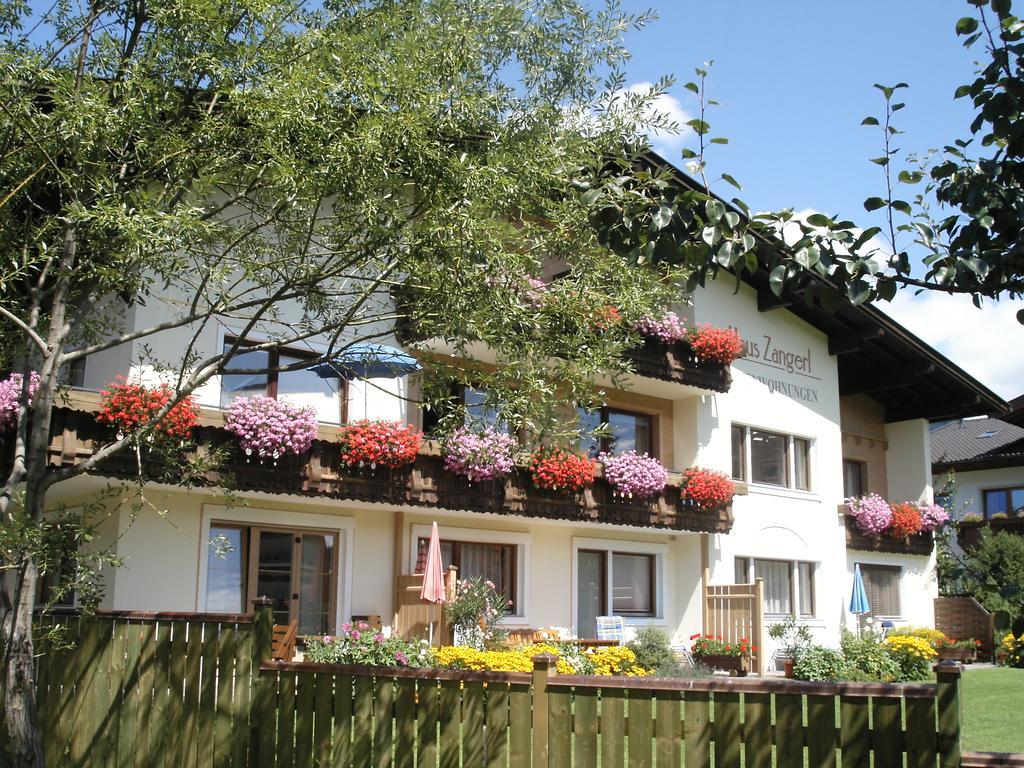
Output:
x=736 y=666
x=963 y=655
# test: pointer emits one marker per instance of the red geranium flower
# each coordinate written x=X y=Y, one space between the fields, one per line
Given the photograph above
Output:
x=560 y=469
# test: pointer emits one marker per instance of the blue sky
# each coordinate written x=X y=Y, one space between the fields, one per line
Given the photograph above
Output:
x=794 y=78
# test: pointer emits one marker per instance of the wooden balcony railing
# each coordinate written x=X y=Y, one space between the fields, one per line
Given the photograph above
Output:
x=677 y=363
x=320 y=472
x=968 y=533
x=918 y=544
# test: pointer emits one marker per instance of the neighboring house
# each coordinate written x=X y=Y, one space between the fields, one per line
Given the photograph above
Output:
x=987 y=457
x=824 y=405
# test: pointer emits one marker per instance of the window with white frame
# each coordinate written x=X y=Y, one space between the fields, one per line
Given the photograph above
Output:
x=771 y=458
x=787 y=583
x=615 y=579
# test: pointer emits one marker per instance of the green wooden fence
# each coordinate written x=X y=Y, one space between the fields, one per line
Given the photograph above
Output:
x=199 y=690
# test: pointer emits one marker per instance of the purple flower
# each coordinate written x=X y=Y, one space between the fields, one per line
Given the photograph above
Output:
x=871 y=513
x=668 y=327
x=378 y=638
x=479 y=456
x=346 y=627
x=356 y=634
x=362 y=625
x=327 y=638
x=10 y=397
x=633 y=474
x=933 y=517
x=271 y=428
x=402 y=659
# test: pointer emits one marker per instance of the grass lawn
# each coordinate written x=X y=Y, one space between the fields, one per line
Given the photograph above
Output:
x=993 y=705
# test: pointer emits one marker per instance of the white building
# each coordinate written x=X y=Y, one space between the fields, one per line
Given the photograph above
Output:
x=824 y=405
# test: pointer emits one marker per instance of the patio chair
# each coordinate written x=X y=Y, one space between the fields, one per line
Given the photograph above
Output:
x=611 y=628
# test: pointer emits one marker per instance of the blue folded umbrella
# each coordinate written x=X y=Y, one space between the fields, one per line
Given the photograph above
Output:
x=368 y=361
x=859 y=598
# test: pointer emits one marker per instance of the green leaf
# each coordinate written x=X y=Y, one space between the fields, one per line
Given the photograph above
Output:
x=699 y=126
x=715 y=210
x=691 y=87
x=962 y=91
x=731 y=180
x=819 y=220
x=732 y=219
x=590 y=197
x=986 y=221
x=886 y=289
x=688 y=153
x=967 y=25
x=882 y=161
x=777 y=279
x=662 y=217
x=901 y=205
x=869 y=121
x=859 y=291
x=910 y=177
x=874 y=203
x=719 y=140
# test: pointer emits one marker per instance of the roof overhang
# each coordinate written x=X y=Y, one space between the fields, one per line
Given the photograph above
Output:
x=875 y=355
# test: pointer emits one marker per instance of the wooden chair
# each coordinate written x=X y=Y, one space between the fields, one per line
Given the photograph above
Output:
x=283 y=645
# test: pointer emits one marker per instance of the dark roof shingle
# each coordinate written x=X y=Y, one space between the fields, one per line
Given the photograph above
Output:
x=976 y=440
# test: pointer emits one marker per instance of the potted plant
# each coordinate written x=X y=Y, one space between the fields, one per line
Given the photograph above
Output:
x=271 y=428
x=479 y=456
x=871 y=513
x=634 y=475
x=129 y=406
x=792 y=637
x=705 y=490
x=558 y=470
x=906 y=521
x=378 y=443
x=716 y=345
x=729 y=656
x=964 y=651
x=10 y=397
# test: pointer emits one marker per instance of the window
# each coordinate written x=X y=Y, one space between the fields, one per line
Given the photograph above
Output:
x=480 y=413
x=882 y=585
x=774 y=458
x=786 y=583
x=296 y=569
x=300 y=387
x=610 y=582
x=629 y=431
x=476 y=560
x=739 y=452
x=1007 y=501
x=854 y=478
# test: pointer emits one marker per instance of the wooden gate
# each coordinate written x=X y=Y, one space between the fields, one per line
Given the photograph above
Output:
x=736 y=611
x=413 y=615
x=963 y=618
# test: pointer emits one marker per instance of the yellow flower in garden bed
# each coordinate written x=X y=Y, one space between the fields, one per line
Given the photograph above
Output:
x=615 y=660
x=912 y=645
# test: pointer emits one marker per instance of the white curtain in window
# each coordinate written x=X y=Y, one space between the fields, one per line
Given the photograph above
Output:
x=777 y=585
x=631 y=583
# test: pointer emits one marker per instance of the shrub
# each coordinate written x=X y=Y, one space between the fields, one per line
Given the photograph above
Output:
x=558 y=469
x=476 y=611
x=479 y=456
x=706 y=489
x=633 y=474
x=129 y=407
x=866 y=657
x=719 y=345
x=906 y=521
x=933 y=637
x=871 y=513
x=913 y=655
x=359 y=644
x=10 y=397
x=653 y=651
x=1011 y=650
x=993 y=572
x=379 y=443
x=714 y=645
x=820 y=664
x=271 y=428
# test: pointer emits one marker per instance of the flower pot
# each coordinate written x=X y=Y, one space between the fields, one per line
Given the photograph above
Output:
x=736 y=666
x=788 y=666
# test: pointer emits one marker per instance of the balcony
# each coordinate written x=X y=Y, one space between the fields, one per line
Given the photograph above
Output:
x=320 y=472
x=675 y=362
x=918 y=544
x=968 y=533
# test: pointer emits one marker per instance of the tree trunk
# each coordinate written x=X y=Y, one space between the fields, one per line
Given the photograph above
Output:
x=22 y=746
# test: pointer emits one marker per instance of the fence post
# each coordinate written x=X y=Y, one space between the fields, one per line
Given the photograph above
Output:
x=947 y=674
x=542 y=665
x=261 y=722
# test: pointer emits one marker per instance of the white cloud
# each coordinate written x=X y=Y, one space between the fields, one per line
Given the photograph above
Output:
x=986 y=342
x=668 y=106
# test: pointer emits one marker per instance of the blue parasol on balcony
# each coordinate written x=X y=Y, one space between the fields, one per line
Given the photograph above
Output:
x=368 y=361
x=859 y=598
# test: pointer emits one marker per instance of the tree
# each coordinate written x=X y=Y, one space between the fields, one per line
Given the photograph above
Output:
x=992 y=572
x=973 y=246
x=289 y=167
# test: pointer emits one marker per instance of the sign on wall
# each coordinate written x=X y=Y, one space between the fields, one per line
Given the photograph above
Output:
x=786 y=371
